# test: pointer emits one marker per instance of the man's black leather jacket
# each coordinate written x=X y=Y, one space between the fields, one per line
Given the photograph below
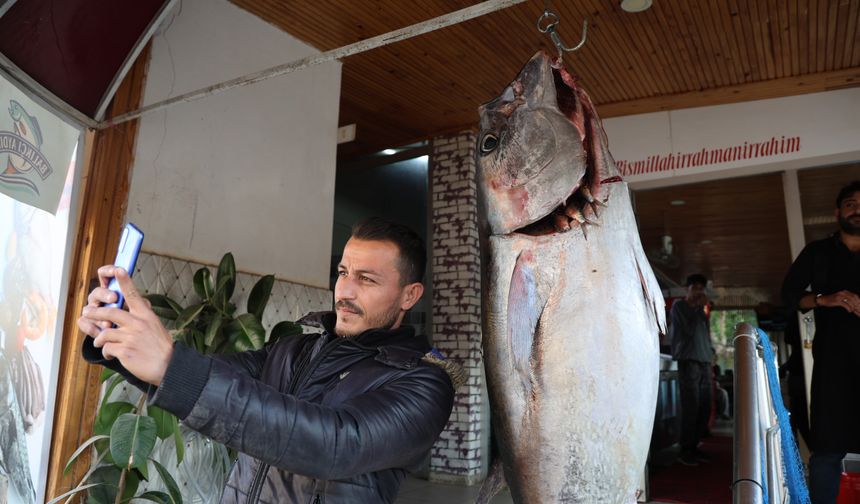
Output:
x=316 y=418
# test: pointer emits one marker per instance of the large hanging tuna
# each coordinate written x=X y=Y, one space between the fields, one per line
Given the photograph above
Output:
x=571 y=308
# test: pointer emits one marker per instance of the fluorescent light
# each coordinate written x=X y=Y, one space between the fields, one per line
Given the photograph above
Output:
x=389 y=152
x=635 y=5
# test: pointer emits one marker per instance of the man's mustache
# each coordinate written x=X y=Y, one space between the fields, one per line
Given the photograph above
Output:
x=349 y=306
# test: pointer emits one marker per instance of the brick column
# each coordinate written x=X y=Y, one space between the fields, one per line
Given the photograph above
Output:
x=461 y=453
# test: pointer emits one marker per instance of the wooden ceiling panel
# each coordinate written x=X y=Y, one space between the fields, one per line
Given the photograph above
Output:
x=732 y=231
x=677 y=54
x=818 y=190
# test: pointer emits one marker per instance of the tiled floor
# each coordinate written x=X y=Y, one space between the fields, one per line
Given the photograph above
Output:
x=419 y=491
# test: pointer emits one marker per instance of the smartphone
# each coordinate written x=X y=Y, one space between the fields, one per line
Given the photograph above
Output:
x=126 y=257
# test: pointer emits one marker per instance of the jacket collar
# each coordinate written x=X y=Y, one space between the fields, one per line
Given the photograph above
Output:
x=399 y=347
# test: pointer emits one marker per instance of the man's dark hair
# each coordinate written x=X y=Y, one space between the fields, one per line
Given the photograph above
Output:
x=413 y=255
x=847 y=191
x=696 y=278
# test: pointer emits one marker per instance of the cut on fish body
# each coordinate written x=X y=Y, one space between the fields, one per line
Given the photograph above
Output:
x=571 y=309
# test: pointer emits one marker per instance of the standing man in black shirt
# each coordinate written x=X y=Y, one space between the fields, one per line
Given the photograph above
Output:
x=691 y=347
x=831 y=268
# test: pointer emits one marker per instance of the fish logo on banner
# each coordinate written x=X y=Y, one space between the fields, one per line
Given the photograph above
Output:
x=36 y=149
x=26 y=166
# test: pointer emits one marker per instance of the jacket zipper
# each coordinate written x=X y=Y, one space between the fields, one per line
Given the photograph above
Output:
x=257 y=483
x=302 y=377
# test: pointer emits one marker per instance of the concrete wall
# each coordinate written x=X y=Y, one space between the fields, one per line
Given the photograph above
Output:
x=251 y=170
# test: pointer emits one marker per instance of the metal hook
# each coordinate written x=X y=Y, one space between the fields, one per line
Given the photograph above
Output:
x=550 y=27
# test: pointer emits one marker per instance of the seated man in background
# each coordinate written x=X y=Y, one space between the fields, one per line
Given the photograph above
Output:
x=336 y=417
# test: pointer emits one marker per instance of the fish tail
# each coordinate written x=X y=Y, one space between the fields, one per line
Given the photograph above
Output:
x=493 y=484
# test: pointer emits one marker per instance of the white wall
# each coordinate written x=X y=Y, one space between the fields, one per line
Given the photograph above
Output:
x=251 y=170
x=827 y=125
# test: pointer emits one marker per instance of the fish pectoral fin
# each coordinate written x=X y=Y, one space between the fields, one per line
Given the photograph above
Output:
x=650 y=298
x=493 y=483
x=525 y=305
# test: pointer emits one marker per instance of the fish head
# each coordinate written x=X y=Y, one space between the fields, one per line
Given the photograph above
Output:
x=529 y=154
x=16 y=110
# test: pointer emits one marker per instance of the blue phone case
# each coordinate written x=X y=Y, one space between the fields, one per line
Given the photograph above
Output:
x=126 y=257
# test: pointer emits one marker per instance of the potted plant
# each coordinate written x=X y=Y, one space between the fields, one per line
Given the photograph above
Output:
x=141 y=451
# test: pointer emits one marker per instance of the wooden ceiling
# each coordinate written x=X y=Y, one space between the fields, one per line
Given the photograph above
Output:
x=733 y=231
x=677 y=54
x=818 y=190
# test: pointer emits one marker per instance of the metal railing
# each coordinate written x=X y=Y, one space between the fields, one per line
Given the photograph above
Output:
x=760 y=465
x=747 y=485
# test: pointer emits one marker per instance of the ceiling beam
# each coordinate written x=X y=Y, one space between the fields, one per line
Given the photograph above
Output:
x=775 y=88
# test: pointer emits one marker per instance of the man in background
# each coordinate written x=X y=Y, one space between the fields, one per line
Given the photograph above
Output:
x=691 y=347
x=831 y=268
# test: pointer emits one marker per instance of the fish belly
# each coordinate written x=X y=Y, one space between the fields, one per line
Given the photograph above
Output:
x=573 y=402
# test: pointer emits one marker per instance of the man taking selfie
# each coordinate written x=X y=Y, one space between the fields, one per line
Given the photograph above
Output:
x=336 y=417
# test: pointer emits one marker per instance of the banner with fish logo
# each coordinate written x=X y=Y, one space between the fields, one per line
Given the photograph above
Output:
x=35 y=149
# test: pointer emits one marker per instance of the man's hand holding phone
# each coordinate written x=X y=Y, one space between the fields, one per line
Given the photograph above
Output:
x=139 y=340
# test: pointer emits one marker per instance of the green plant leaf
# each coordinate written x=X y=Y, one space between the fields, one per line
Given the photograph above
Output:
x=108 y=415
x=188 y=316
x=221 y=301
x=102 y=457
x=164 y=421
x=203 y=284
x=224 y=347
x=178 y=441
x=115 y=380
x=153 y=496
x=103 y=447
x=142 y=472
x=169 y=482
x=132 y=439
x=197 y=338
x=106 y=373
x=107 y=480
x=284 y=328
x=212 y=332
x=73 y=491
x=246 y=333
x=226 y=276
x=132 y=481
x=259 y=297
x=163 y=306
x=80 y=450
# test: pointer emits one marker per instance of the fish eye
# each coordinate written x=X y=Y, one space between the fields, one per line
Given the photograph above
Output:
x=489 y=143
